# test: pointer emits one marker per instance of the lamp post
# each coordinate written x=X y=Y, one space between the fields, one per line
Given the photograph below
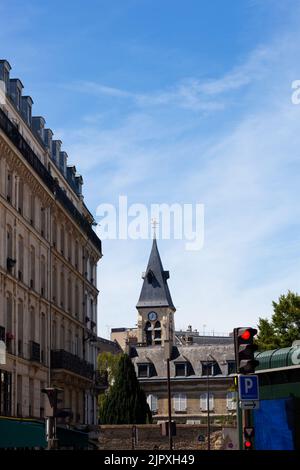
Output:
x=207 y=391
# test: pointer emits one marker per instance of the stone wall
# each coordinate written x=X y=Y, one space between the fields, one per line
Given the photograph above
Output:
x=148 y=437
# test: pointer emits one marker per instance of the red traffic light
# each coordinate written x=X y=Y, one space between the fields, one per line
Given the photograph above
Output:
x=248 y=444
x=246 y=335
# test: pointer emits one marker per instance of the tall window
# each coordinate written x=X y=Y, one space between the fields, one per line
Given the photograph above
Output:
x=20 y=196
x=180 y=402
x=32 y=324
x=43 y=222
x=70 y=296
x=76 y=254
x=32 y=209
x=9 y=323
x=203 y=401
x=231 y=401
x=62 y=336
x=9 y=241
x=76 y=307
x=20 y=258
x=62 y=289
x=54 y=332
x=31 y=397
x=43 y=338
x=43 y=276
x=148 y=331
x=32 y=267
x=54 y=233
x=157 y=333
x=70 y=340
x=62 y=240
x=54 y=284
x=20 y=328
x=69 y=247
x=9 y=186
x=153 y=403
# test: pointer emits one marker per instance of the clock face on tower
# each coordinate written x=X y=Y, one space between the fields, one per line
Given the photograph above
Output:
x=152 y=316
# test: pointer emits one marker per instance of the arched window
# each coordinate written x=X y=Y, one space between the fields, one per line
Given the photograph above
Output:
x=148 y=331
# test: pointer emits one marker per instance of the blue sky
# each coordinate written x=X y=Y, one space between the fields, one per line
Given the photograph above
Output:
x=172 y=101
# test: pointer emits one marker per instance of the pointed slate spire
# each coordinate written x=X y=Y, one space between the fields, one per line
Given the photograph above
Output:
x=155 y=291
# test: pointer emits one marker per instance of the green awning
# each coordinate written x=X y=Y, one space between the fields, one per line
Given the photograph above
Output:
x=21 y=433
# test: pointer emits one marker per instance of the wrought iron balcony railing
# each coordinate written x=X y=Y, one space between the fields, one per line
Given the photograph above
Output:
x=61 y=359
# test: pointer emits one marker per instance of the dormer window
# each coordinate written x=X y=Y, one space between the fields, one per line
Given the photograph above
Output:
x=211 y=368
x=183 y=369
x=231 y=367
x=146 y=370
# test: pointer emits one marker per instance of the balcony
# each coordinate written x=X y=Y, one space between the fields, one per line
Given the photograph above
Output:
x=35 y=351
x=61 y=359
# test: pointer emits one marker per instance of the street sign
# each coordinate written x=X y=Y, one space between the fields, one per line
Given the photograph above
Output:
x=249 y=431
x=248 y=387
x=249 y=405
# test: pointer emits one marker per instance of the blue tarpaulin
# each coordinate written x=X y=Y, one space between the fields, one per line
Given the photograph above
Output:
x=274 y=426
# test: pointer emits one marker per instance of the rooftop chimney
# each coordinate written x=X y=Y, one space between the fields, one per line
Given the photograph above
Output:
x=26 y=107
x=48 y=134
x=79 y=183
x=15 y=91
x=63 y=157
x=38 y=124
x=4 y=73
x=56 y=145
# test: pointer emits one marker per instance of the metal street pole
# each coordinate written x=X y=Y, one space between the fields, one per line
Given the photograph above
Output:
x=208 y=411
x=169 y=405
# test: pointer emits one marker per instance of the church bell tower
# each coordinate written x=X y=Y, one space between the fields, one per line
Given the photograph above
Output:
x=155 y=306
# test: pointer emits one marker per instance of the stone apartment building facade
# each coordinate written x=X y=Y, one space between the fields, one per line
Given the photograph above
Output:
x=48 y=258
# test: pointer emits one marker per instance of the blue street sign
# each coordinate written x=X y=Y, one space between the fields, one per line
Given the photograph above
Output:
x=248 y=387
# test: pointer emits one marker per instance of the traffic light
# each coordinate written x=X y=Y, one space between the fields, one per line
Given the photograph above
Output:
x=248 y=444
x=244 y=350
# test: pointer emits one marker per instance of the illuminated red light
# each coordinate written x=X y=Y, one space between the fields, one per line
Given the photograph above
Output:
x=248 y=444
x=246 y=335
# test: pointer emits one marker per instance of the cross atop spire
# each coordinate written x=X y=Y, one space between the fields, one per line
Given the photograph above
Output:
x=154 y=226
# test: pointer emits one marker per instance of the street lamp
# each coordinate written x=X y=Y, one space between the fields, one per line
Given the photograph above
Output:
x=207 y=389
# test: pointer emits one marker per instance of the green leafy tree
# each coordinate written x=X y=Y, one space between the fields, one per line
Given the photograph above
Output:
x=107 y=366
x=125 y=402
x=284 y=326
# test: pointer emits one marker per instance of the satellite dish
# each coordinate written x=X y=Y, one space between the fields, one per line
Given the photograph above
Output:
x=2 y=353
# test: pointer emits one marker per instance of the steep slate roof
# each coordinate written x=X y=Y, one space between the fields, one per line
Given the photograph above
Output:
x=194 y=354
x=155 y=291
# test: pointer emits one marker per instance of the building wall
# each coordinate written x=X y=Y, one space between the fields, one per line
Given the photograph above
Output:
x=49 y=295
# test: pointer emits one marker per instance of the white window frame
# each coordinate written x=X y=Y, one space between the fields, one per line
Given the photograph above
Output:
x=203 y=401
x=180 y=402
x=152 y=401
x=231 y=401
